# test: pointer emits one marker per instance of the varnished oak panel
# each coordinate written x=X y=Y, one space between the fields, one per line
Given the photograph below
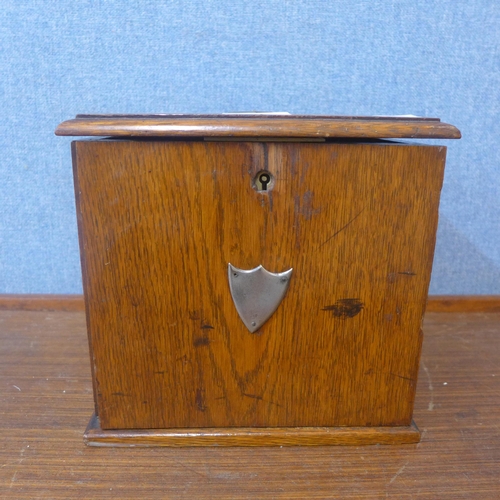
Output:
x=263 y=126
x=159 y=222
x=46 y=402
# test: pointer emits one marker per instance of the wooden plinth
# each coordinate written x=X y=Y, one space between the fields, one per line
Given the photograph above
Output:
x=247 y=436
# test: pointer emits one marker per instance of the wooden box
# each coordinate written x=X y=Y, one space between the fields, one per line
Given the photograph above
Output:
x=167 y=202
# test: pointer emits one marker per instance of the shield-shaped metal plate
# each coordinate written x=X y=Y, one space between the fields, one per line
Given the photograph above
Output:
x=257 y=293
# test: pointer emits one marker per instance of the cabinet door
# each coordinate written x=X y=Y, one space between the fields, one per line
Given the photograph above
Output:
x=159 y=223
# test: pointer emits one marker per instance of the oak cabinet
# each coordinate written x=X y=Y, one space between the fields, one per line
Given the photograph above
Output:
x=166 y=203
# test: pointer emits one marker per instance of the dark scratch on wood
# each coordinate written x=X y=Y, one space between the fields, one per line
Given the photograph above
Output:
x=184 y=359
x=344 y=227
x=200 y=403
x=201 y=341
x=401 y=376
x=260 y=398
x=194 y=315
x=253 y=396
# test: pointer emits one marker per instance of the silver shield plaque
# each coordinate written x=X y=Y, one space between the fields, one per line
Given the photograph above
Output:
x=257 y=293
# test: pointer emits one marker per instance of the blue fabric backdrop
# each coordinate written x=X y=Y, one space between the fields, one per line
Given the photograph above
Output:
x=61 y=58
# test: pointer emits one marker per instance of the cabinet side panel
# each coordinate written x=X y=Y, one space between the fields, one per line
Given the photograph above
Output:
x=77 y=165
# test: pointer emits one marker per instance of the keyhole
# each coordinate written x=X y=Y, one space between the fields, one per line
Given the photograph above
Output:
x=263 y=181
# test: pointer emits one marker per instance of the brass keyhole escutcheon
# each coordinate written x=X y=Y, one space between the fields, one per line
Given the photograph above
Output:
x=263 y=181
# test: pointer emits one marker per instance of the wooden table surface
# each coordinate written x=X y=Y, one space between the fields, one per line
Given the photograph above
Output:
x=46 y=402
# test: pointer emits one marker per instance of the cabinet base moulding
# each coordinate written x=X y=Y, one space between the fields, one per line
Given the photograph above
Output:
x=250 y=436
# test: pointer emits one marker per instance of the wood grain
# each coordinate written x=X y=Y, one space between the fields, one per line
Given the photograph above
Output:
x=159 y=222
x=250 y=436
x=266 y=126
x=46 y=402
x=53 y=302
x=41 y=302
x=464 y=303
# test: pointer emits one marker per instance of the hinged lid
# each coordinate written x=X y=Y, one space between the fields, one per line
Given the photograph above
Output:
x=258 y=125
